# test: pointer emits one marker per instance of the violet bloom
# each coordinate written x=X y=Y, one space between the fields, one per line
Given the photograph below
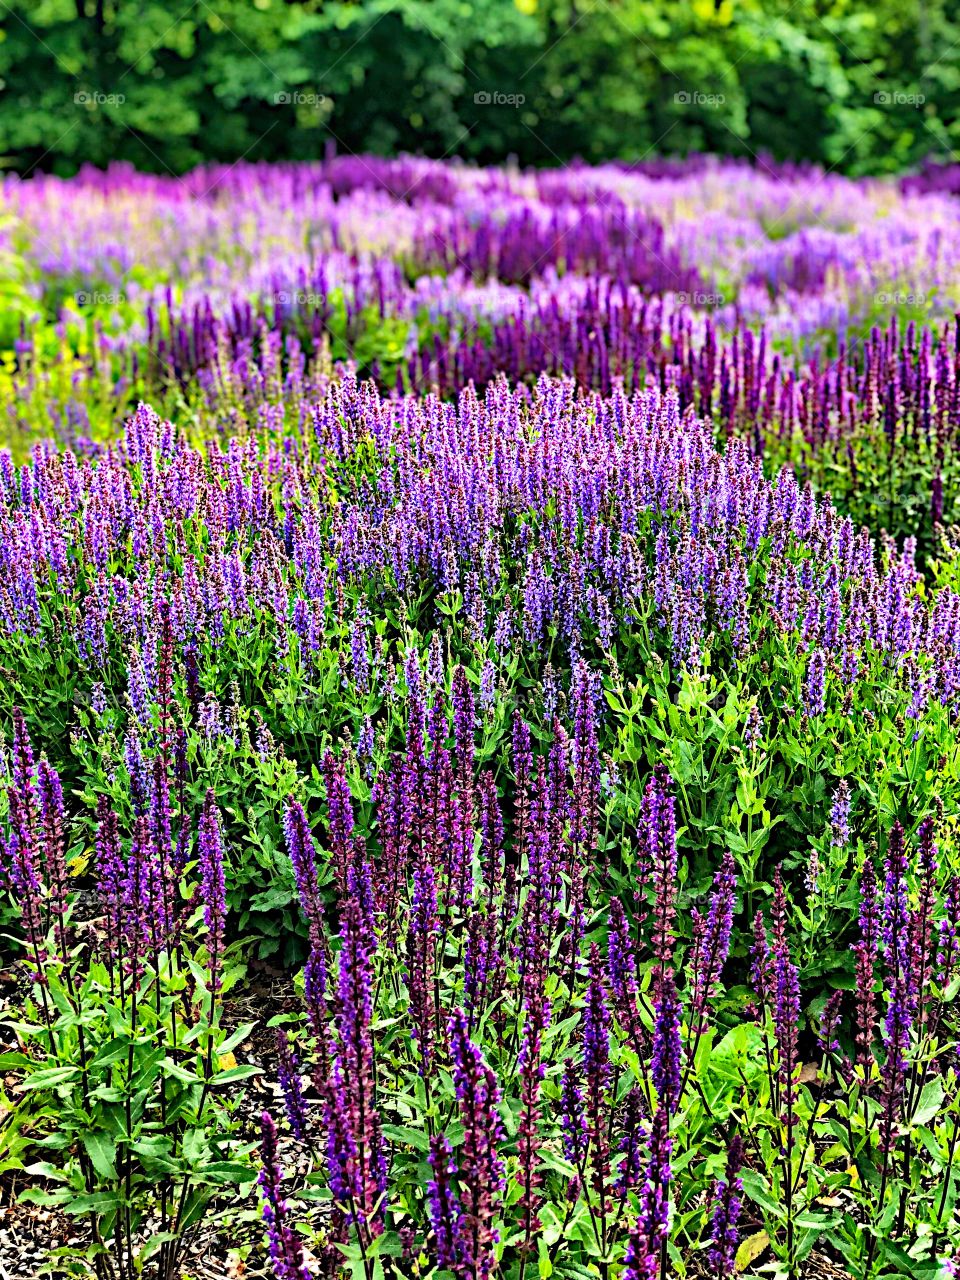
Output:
x=339 y=816
x=52 y=823
x=948 y=946
x=422 y=932
x=356 y=1154
x=665 y=1061
x=110 y=874
x=727 y=1205
x=893 y=1072
x=840 y=815
x=865 y=959
x=829 y=1024
x=573 y=1119
x=652 y=1227
x=213 y=887
x=634 y=1135
x=712 y=942
x=660 y=825
x=530 y=1068
x=786 y=1023
x=481 y=1169
x=300 y=848
x=815 y=702
x=446 y=1211
x=622 y=974
x=286 y=1251
x=288 y=1074
x=895 y=912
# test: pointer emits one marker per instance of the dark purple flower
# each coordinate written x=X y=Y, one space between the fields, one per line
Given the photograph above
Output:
x=446 y=1212
x=573 y=1119
x=422 y=932
x=712 y=942
x=665 y=1060
x=212 y=887
x=300 y=848
x=727 y=1204
x=286 y=1251
x=481 y=1169
x=288 y=1074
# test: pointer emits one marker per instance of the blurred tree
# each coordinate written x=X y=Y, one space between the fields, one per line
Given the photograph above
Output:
x=848 y=83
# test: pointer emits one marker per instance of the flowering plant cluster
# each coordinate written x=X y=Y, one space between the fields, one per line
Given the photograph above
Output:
x=810 y=314
x=122 y=1040
x=514 y=1068
x=589 y=779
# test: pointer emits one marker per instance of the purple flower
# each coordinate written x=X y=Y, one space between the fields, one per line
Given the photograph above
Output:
x=786 y=1022
x=212 y=887
x=422 y=932
x=300 y=848
x=652 y=1226
x=286 y=1251
x=865 y=954
x=727 y=1205
x=665 y=1061
x=288 y=1074
x=573 y=1119
x=659 y=822
x=481 y=1169
x=356 y=1160
x=712 y=941
x=840 y=815
x=815 y=693
x=631 y=1144
x=446 y=1212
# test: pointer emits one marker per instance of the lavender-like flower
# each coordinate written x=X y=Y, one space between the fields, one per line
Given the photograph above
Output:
x=652 y=1227
x=286 y=1251
x=481 y=1169
x=667 y=1049
x=357 y=1163
x=712 y=942
x=660 y=825
x=446 y=1211
x=727 y=1205
x=573 y=1118
x=815 y=702
x=422 y=932
x=865 y=954
x=288 y=1074
x=786 y=1024
x=300 y=848
x=213 y=887
x=840 y=815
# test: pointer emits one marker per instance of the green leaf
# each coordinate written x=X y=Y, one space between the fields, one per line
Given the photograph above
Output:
x=242 y=1072
x=929 y=1103
x=408 y=1135
x=51 y=1078
x=102 y=1150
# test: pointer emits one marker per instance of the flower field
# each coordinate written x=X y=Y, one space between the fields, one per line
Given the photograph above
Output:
x=480 y=660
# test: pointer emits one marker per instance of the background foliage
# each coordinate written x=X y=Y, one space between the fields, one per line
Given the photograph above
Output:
x=167 y=87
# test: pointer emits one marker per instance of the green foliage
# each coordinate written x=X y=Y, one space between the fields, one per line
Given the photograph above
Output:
x=102 y=80
x=123 y=1091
